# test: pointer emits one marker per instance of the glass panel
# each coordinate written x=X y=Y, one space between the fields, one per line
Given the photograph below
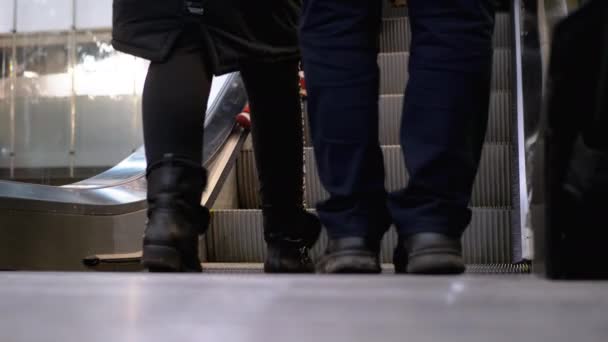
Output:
x=42 y=108
x=7 y=11
x=107 y=87
x=5 y=110
x=77 y=111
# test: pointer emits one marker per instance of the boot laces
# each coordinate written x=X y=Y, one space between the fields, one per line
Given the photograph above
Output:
x=304 y=255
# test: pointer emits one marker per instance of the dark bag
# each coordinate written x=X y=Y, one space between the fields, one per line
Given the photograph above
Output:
x=571 y=232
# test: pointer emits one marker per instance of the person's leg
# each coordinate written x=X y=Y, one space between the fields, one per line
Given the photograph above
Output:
x=276 y=118
x=174 y=103
x=443 y=127
x=339 y=41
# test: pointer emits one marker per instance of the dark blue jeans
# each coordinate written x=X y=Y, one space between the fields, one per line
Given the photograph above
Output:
x=444 y=115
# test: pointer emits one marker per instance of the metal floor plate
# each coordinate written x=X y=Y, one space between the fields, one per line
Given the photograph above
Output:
x=152 y=308
x=258 y=268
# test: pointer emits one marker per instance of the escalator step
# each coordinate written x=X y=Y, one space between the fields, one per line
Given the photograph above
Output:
x=502 y=69
x=492 y=186
x=390 y=108
x=491 y=189
x=522 y=268
x=499 y=124
x=247 y=181
x=237 y=236
x=394 y=74
x=396 y=34
x=500 y=120
x=388 y=11
x=503 y=31
x=488 y=238
x=257 y=268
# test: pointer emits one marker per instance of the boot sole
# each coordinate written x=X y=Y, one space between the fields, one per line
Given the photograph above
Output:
x=271 y=269
x=349 y=263
x=158 y=258
x=435 y=264
x=283 y=267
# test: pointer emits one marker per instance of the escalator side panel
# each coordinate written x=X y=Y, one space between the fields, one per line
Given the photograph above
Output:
x=55 y=241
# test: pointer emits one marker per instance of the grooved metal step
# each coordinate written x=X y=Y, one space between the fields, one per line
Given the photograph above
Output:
x=492 y=186
x=396 y=34
x=257 y=268
x=503 y=29
x=499 y=121
x=390 y=109
x=237 y=236
x=394 y=71
x=388 y=11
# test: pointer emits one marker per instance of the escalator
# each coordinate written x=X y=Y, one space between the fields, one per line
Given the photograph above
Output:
x=493 y=241
x=55 y=228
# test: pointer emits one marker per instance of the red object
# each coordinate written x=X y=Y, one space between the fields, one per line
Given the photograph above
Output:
x=302 y=83
x=244 y=119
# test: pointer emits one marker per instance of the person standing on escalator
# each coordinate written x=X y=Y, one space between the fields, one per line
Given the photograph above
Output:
x=444 y=119
x=187 y=43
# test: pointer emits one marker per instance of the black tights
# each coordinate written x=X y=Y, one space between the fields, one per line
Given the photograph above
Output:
x=174 y=102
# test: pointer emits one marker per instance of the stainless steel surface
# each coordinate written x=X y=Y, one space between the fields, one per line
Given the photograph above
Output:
x=532 y=88
x=131 y=262
x=252 y=268
x=522 y=234
x=146 y=307
x=533 y=26
x=71 y=67
x=12 y=91
x=54 y=240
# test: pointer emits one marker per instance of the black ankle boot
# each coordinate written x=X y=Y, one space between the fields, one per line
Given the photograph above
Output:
x=429 y=253
x=289 y=238
x=175 y=216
